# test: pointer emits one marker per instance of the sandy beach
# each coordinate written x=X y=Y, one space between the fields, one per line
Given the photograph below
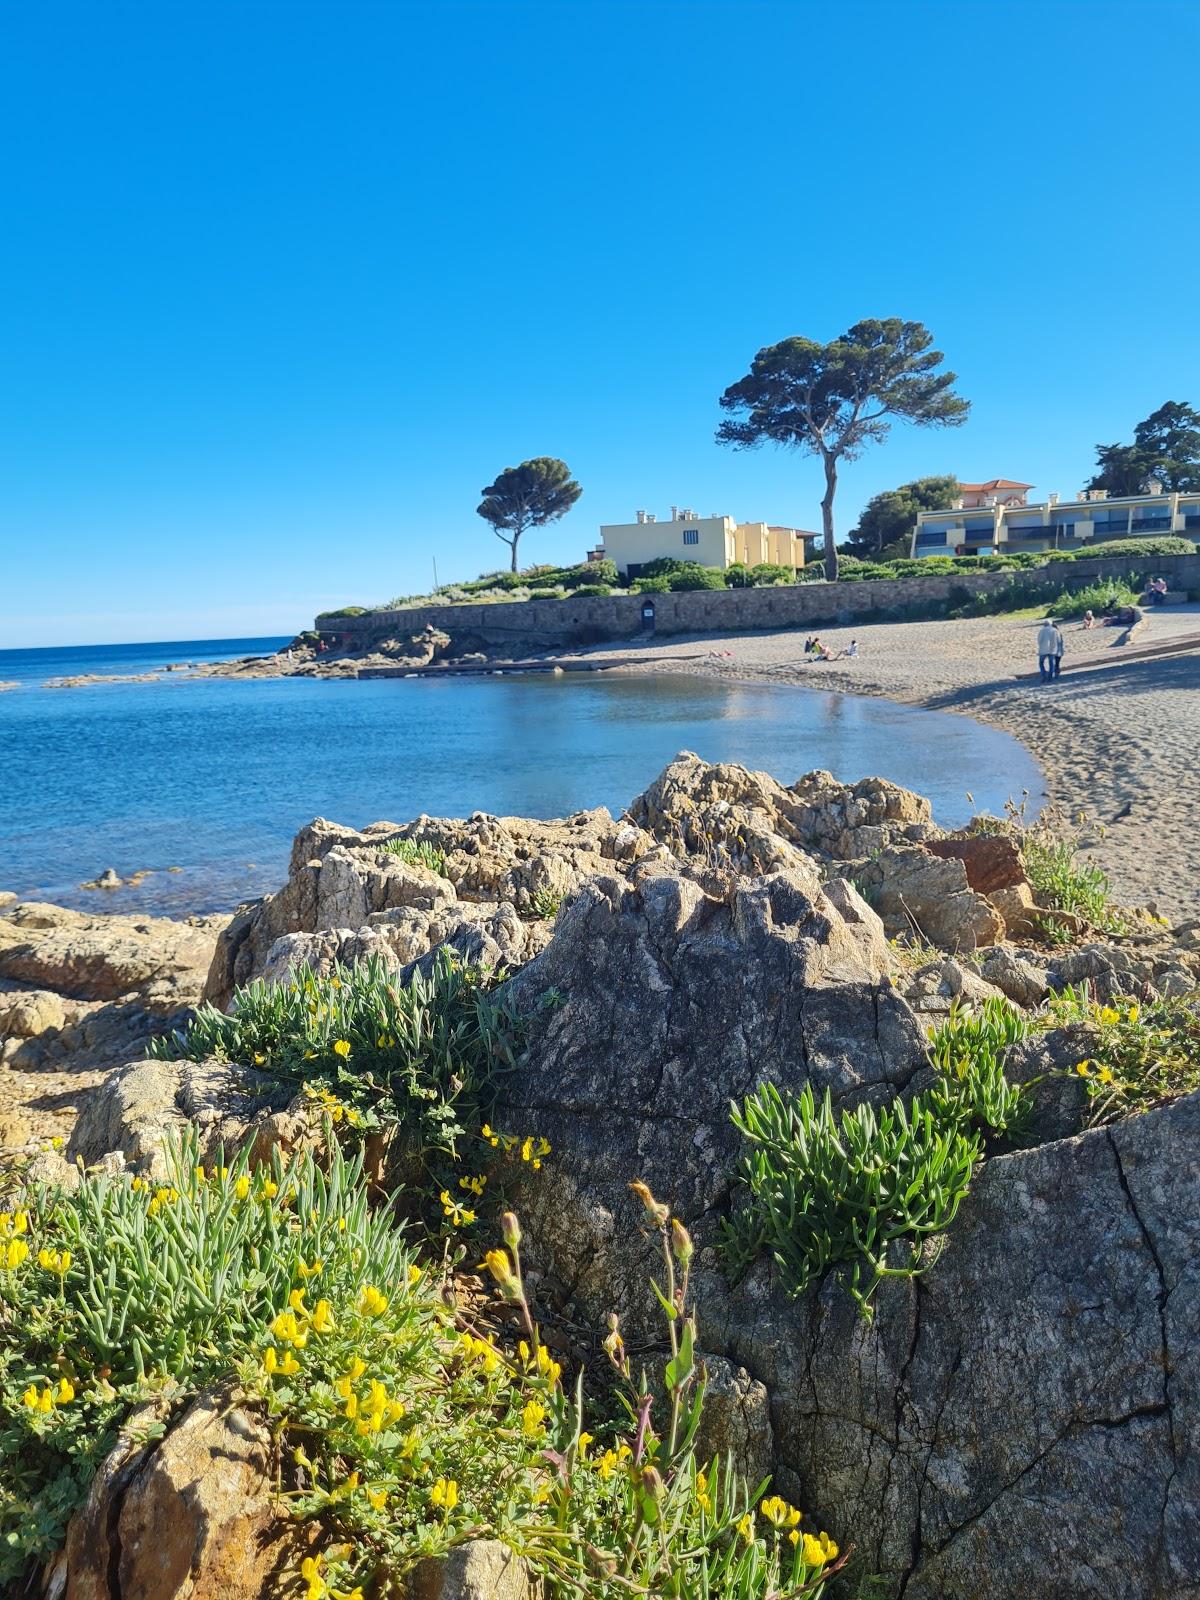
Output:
x=1122 y=746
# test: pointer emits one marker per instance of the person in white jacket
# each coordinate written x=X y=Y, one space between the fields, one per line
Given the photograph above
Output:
x=1050 y=649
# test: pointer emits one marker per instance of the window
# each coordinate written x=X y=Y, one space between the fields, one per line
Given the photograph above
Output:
x=691 y=536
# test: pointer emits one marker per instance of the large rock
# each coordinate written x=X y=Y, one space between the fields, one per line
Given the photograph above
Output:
x=142 y=1106
x=106 y=958
x=190 y=1518
x=497 y=872
x=849 y=820
x=671 y=1001
x=914 y=891
x=481 y=1569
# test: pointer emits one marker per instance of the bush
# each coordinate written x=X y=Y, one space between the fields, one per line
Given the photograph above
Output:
x=1167 y=544
x=769 y=574
x=398 y=1435
x=129 y=1290
x=1140 y=1056
x=420 y=1056
x=545 y=594
x=696 y=577
x=1106 y=594
x=590 y=572
x=587 y=589
x=340 y=613
x=664 y=566
x=855 y=1187
x=418 y=853
x=650 y=586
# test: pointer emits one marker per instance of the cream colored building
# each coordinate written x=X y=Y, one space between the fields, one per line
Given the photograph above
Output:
x=712 y=541
x=1054 y=524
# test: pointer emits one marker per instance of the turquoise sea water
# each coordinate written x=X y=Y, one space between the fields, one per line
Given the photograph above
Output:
x=214 y=776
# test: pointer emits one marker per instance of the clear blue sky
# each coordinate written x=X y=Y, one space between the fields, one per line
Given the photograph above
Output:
x=283 y=285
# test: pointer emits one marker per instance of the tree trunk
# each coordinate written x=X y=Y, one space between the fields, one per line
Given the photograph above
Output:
x=513 y=542
x=831 y=559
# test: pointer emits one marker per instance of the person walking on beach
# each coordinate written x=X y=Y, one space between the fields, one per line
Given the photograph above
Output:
x=1050 y=649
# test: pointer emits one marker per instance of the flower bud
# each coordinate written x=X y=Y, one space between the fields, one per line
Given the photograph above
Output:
x=510 y=1230
x=656 y=1215
x=681 y=1242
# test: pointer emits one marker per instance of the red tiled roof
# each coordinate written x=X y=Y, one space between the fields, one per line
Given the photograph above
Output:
x=993 y=483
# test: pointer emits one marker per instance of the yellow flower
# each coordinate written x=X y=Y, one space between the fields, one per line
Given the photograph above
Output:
x=242 y=1187
x=306 y=1271
x=1133 y=1013
x=775 y=1510
x=584 y=1444
x=745 y=1527
x=371 y=1302
x=1105 y=1075
x=66 y=1392
x=289 y=1366
x=322 y=1318
x=827 y=1544
x=351 y=1407
x=341 y=1047
x=607 y=1463
x=270 y=1361
x=378 y=1498
x=703 y=1498
x=813 y=1552
x=310 y=1571
x=533 y=1417
x=444 y=1494
x=498 y=1264
x=1108 y=1015
x=414 y=1276
x=55 y=1261
x=473 y=1186
x=13 y=1254
x=40 y=1402
x=269 y=1189
x=1083 y=1070
x=260 y=1060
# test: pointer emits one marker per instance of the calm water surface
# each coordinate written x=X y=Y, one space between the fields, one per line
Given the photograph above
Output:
x=213 y=777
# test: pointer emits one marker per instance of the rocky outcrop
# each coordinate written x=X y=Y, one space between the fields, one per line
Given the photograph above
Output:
x=915 y=892
x=1023 y=1418
x=481 y=1569
x=487 y=900
x=106 y=958
x=675 y=999
x=142 y=1106
x=192 y=1517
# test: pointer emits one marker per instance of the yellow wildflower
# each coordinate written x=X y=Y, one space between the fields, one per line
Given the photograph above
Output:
x=378 y=1498
x=533 y=1417
x=584 y=1444
x=813 y=1552
x=1084 y=1070
x=54 y=1261
x=444 y=1495
x=310 y=1571
x=372 y=1302
x=606 y=1464
x=66 y=1392
x=341 y=1047
x=1108 y=1015
x=289 y=1366
x=322 y=1318
x=260 y=1060
x=242 y=1187
x=1133 y=1013
x=13 y=1254
x=270 y=1361
x=745 y=1527
x=703 y=1498
x=414 y=1276
x=306 y=1271
x=269 y=1189
x=1105 y=1075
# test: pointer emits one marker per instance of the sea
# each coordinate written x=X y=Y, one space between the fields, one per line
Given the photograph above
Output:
x=201 y=783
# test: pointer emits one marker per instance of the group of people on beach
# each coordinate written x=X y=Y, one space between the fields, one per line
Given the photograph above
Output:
x=816 y=650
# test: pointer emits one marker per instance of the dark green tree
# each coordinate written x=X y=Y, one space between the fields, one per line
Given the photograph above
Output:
x=832 y=400
x=892 y=515
x=1166 y=446
x=528 y=496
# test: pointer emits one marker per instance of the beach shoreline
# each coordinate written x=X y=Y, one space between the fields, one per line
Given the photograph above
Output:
x=1118 y=746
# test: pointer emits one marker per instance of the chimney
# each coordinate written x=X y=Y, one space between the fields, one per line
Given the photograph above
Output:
x=674 y=513
x=641 y=516
x=1052 y=499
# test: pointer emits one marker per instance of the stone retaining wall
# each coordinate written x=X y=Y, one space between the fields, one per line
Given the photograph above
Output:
x=594 y=619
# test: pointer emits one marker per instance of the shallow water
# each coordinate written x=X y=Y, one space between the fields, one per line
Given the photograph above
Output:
x=213 y=776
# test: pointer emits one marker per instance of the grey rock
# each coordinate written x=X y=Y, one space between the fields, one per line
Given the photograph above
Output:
x=481 y=1569
x=1022 y=981
x=913 y=890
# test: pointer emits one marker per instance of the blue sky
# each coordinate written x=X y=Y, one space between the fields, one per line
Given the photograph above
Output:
x=283 y=286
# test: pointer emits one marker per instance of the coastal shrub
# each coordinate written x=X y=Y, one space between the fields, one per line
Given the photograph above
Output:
x=697 y=577
x=126 y=1291
x=1166 y=544
x=968 y=1053
x=590 y=572
x=826 y=1188
x=400 y=1430
x=659 y=585
x=866 y=1188
x=342 y=611
x=764 y=574
x=418 y=853
x=1141 y=1055
x=1105 y=594
x=545 y=594
x=414 y=1434
x=588 y=589
x=664 y=566
x=421 y=1056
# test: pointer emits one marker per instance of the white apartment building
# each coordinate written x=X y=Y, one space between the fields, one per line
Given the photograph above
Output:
x=1004 y=520
x=714 y=541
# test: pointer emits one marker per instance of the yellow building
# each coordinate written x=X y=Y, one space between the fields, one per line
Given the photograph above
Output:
x=712 y=541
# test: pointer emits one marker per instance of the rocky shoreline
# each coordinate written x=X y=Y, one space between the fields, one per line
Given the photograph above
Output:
x=994 y=1427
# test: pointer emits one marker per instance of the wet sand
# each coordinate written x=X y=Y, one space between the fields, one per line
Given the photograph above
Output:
x=1121 y=746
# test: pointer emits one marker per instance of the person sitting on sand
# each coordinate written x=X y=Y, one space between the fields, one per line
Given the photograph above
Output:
x=851 y=650
x=824 y=653
x=1089 y=620
x=810 y=644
